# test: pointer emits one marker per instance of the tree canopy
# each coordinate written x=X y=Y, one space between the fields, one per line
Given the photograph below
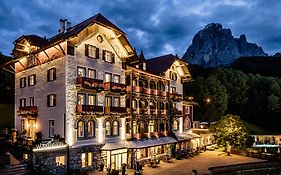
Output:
x=231 y=130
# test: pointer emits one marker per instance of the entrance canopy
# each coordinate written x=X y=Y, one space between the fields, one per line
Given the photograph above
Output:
x=186 y=136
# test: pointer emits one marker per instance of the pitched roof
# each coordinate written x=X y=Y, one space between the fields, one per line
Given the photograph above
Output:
x=98 y=18
x=34 y=40
x=160 y=64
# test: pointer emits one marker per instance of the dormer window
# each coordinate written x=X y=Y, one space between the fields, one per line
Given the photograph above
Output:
x=173 y=76
x=31 y=60
x=91 y=51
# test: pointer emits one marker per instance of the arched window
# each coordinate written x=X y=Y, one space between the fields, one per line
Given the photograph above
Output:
x=81 y=129
x=115 y=128
x=176 y=125
x=107 y=128
x=91 y=129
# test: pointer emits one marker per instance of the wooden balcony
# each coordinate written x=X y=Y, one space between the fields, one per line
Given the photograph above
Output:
x=90 y=83
x=89 y=109
x=115 y=87
x=176 y=97
x=164 y=94
x=28 y=111
x=115 y=110
x=137 y=89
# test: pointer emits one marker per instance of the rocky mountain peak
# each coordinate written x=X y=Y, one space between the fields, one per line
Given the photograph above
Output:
x=215 y=46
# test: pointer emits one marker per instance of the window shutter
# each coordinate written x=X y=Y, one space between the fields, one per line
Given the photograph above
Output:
x=87 y=50
x=103 y=54
x=48 y=75
x=112 y=58
x=97 y=53
x=48 y=100
x=21 y=85
x=55 y=99
x=55 y=73
x=34 y=79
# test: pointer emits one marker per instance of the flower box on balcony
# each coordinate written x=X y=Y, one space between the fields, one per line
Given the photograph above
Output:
x=89 y=109
x=115 y=87
x=164 y=94
x=90 y=83
x=28 y=110
x=115 y=110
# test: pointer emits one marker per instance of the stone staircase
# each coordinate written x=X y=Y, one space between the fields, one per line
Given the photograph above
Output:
x=20 y=169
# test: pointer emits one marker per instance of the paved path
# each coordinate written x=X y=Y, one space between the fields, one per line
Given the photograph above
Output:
x=200 y=162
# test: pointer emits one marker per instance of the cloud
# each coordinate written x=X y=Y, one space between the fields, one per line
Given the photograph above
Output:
x=156 y=27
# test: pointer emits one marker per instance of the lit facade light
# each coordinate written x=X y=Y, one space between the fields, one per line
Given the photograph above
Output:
x=100 y=130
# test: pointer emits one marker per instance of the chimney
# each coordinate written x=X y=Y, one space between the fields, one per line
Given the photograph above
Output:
x=68 y=25
x=62 y=26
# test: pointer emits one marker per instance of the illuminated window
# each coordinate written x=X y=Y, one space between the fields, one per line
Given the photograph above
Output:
x=108 y=77
x=116 y=78
x=51 y=128
x=81 y=99
x=60 y=161
x=81 y=72
x=83 y=160
x=116 y=101
x=23 y=82
x=31 y=100
x=90 y=158
x=22 y=102
x=108 y=56
x=107 y=101
x=80 y=129
x=91 y=51
x=135 y=128
x=31 y=80
x=107 y=128
x=51 y=74
x=91 y=73
x=176 y=125
x=173 y=89
x=51 y=100
x=91 y=129
x=22 y=123
x=91 y=99
x=115 y=128
x=134 y=104
x=151 y=126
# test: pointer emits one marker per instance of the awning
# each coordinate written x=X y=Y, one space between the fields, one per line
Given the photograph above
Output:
x=150 y=142
x=114 y=146
x=186 y=136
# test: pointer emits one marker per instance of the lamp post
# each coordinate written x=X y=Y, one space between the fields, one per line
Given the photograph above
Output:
x=208 y=101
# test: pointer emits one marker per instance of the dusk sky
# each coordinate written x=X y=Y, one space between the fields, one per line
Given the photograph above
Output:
x=155 y=26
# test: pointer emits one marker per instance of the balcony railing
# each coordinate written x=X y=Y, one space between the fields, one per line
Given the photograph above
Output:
x=115 y=110
x=115 y=87
x=90 y=83
x=135 y=89
x=176 y=97
x=94 y=109
x=28 y=110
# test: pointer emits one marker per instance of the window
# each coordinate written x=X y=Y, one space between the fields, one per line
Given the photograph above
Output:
x=31 y=60
x=60 y=161
x=173 y=89
x=134 y=104
x=86 y=159
x=151 y=127
x=108 y=56
x=91 y=51
x=135 y=127
x=31 y=100
x=173 y=76
x=81 y=99
x=91 y=99
x=31 y=80
x=80 y=129
x=116 y=102
x=107 y=101
x=128 y=128
x=107 y=128
x=70 y=50
x=22 y=124
x=22 y=102
x=51 y=74
x=51 y=128
x=176 y=125
x=91 y=129
x=115 y=128
x=108 y=77
x=23 y=82
x=187 y=109
x=81 y=72
x=51 y=100
x=116 y=78
x=91 y=73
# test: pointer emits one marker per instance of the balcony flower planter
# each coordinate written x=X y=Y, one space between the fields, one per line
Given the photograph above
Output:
x=115 y=110
x=115 y=87
x=90 y=83
x=28 y=110
x=89 y=109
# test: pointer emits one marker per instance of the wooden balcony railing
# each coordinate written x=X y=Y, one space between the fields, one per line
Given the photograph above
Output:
x=135 y=89
x=115 y=87
x=115 y=110
x=28 y=110
x=89 y=109
x=90 y=83
x=176 y=97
